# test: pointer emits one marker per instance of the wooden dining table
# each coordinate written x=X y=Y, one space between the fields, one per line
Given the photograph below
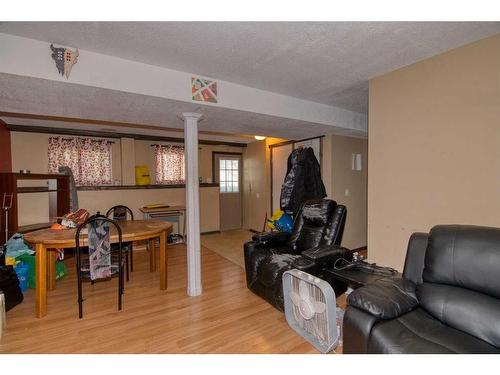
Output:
x=46 y=241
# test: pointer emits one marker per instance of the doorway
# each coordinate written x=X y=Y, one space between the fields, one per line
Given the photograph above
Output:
x=228 y=172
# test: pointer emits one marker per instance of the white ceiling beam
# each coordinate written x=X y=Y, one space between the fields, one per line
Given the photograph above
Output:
x=32 y=58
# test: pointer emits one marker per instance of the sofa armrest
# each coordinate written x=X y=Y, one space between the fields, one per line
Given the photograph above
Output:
x=385 y=298
x=357 y=327
x=327 y=255
x=271 y=238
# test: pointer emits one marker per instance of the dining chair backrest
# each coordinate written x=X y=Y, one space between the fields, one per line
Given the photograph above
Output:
x=99 y=245
x=101 y=262
x=120 y=213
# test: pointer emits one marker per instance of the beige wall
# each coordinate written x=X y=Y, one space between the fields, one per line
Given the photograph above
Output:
x=256 y=187
x=127 y=156
x=434 y=147
x=33 y=208
x=346 y=186
x=257 y=183
x=102 y=200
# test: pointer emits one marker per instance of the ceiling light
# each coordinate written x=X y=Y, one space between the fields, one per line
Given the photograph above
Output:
x=259 y=137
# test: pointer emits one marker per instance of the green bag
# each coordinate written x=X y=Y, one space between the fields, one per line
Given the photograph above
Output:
x=61 y=269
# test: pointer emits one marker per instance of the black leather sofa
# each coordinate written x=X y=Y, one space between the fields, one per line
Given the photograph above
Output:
x=312 y=245
x=448 y=300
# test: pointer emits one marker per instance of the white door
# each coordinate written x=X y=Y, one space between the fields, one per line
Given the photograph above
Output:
x=228 y=173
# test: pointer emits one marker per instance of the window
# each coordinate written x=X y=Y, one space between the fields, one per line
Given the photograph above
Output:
x=88 y=159
x=169 y=164
x=229 y=176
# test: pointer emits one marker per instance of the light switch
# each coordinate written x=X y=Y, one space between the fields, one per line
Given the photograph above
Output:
x=356 y=162
x=346 y=192
x=257 y=195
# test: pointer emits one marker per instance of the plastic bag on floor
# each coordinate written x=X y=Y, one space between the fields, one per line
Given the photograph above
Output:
x=61 y=269
x=16 y=246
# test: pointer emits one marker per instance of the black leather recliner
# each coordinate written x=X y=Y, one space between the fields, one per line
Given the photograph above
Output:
x=312 y=245
x=448 y=300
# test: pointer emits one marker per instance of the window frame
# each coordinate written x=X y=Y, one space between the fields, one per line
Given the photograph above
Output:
x=182 y=165
x=236 y=156
x=228 y=185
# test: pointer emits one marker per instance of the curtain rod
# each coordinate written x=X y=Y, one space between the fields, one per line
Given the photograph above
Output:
x=169 y=145
x=69 y=139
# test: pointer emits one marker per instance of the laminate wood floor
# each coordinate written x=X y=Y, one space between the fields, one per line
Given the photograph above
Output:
x=226 y=318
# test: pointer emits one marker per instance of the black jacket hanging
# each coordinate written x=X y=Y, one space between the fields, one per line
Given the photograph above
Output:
x=302 y=181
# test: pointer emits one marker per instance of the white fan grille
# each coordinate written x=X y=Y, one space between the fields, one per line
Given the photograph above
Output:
x=310 y=309
x=318 y=325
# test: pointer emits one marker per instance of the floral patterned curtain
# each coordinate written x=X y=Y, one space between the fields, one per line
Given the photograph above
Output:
x=89 y=159
x=169 y=164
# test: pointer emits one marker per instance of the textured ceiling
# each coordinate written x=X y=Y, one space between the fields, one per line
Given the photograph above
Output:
x=328 y=62
x=37 y=96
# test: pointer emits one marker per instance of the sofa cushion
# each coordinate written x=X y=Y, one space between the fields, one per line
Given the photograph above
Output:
x=417 y=333
x=466 y=256
x=385 y=298
x=475 y=313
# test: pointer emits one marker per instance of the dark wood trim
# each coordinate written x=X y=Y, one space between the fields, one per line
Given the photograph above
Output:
x=138 y=187
x=84 y=121
x=321 y=157
x=101 y=134
x=271 y=180
x=35 y=176
x=34 y=189
x=110 y=123
x=294 y=141
x=215 y=153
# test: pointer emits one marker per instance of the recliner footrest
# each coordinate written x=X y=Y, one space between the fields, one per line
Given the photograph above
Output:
x=326 y=255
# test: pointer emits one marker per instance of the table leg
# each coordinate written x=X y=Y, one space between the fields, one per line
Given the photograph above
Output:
x=51 y=269
x=40 y=280
x=152 y=254
x=163 y=260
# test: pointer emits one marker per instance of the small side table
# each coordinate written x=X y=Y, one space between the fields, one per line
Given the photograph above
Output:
x=171 y=214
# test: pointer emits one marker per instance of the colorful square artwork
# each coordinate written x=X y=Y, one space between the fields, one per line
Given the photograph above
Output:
x=204 y=90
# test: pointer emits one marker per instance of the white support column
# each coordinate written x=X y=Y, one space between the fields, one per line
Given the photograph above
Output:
x=192 y=203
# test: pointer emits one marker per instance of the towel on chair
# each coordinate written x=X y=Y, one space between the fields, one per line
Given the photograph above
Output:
x=99 y=250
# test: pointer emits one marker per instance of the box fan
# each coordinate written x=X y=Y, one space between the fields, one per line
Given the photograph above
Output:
x=310 y=309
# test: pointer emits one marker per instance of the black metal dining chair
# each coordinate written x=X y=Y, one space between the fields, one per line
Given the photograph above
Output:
x=101 y=261
x=123 y=213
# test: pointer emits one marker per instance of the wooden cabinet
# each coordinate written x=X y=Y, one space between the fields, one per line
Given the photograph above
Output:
x=59 y=199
